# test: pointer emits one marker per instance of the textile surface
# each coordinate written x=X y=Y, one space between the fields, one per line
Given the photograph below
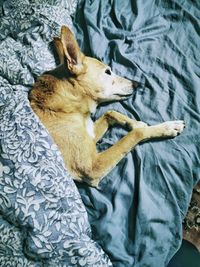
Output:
x=137 y=212
x=43 y=221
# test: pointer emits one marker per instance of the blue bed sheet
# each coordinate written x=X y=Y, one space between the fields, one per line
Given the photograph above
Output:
x=137 y=212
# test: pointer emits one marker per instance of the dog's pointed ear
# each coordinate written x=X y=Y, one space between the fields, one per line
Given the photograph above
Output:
x=72 y=52
x=59 y=49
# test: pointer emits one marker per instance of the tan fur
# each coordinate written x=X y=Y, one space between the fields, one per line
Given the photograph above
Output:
x=64 y=99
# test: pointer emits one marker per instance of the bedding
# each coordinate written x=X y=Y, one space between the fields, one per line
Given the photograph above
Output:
x=43 y=221
x=137 y=212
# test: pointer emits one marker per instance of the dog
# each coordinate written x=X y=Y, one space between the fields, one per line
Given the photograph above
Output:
x=64 y=99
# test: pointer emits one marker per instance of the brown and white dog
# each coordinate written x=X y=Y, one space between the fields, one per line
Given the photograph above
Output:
x=64 y=99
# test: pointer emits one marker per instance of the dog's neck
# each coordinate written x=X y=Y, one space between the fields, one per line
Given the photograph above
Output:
x=60 y=97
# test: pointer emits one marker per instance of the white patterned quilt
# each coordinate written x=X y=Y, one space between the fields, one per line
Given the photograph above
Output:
x=43 y=221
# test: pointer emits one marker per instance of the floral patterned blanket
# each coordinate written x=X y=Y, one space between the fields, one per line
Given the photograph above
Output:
x=43 y=221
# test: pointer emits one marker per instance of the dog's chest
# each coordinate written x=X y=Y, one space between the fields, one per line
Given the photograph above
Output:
x=90 y=127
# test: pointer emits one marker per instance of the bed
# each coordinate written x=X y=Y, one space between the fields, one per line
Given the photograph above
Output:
x=134 y=218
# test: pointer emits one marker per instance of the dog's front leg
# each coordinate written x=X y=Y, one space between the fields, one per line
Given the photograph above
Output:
x=113 y=117
x=105 y=161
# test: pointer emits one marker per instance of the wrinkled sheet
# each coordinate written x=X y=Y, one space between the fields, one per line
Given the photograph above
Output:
x=137 y=212
x=43 y=221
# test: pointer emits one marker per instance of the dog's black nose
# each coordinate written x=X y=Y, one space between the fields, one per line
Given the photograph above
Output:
x=135 y=84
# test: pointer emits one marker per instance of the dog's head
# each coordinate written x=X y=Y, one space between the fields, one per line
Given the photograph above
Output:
x=97 y=79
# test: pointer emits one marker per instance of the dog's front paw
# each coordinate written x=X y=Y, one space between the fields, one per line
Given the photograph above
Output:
x=171 y=128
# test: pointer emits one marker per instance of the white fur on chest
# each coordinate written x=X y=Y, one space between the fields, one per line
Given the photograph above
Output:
x=90 y=127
